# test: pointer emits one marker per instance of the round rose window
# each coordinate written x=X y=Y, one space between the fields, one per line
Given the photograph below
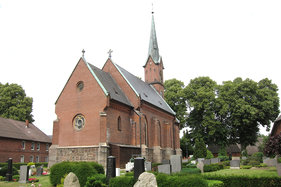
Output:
x=79 y=122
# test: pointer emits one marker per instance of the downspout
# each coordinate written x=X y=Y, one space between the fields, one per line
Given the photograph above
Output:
x=139 y=114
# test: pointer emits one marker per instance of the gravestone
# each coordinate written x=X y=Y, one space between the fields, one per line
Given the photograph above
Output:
x=110 y=168
x=215 y=160
x=207 y=161
x=165 y=161
x=138 y=167
x=146 y=179
x=117 y=172
x=24 y=174
x=235 y=164
x=200 y=166
x=71 y=180
x=175 y=163
x=164 y=168
x=148 y=166
x=9 y=174
x=39 y=171
x=270 y=162
x=200 y=159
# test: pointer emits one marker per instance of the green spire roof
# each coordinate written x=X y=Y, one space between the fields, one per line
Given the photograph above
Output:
x=153 y=50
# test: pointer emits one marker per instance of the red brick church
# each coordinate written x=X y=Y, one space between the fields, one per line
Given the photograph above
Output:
x=109 y=111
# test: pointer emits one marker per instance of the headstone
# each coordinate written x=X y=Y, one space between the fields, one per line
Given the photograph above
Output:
x=207 y=161
x=138 y=167
x=117 y=172
x=235 y=158
x=110 y=168
x=193 y=162
x=24 y=174
x=165 y=161
x=71 y=180
x=164 y=168
x=200 y=166
x=129 y=166
x=278 y=168
x=39 y=171
x=200 y=159
x=270 y=162
x=175 y=163
x=235 y=164
x=146 y=179
x=244 y=158
x=215 y=160
x=148 y=166
x=9 y=174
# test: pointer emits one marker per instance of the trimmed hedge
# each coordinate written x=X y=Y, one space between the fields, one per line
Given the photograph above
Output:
x=212 y=167
x=123 y=181
x=98 y=180
x=17 y=165
x=82 y=170
x=4 y=170
x=241 y=181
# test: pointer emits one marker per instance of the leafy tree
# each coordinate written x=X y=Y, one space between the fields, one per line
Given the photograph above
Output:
x=14 y=104
x=202 y=118
x=244 y=105
x=186 y=145
x=265 y=139
x=175 y=97
x=200 y=150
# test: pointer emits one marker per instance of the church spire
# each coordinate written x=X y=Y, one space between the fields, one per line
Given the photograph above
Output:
x=153 y=50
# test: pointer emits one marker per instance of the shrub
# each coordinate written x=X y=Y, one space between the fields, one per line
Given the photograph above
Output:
x=223 y=158
x=245 y=167
x=258 y=156
x=209 y=154
x=97 y=167
x=4 y=170
x=225 y=163
x=200 y=150
x=2 y=178
x=123 y=181
x=30 y=163
x=129 y=174
x=30 y=180
x=254 y=163
x=16 y=177
x=184 y=171
x=98 y=180
x=58 y=171
x=215 y=183
x=83 y=170
x=279 y=159
x=212 y=167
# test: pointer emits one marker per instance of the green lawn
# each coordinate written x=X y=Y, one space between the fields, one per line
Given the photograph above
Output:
x=258 y=172
x=43 y=180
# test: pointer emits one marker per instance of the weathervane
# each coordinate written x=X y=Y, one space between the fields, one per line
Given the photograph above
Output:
x=83 y=52
x=109 y=53
x=152 y=8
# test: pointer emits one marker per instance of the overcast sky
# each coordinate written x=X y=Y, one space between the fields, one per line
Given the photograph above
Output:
x=41 y=41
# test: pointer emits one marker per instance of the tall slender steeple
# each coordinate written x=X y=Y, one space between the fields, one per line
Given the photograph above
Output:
x=153 y=50
x=153 y=68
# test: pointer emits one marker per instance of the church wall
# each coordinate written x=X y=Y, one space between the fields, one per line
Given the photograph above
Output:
x=89 y=102
x=133 y=98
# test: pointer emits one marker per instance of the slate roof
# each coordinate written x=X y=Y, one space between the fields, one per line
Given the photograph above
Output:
x=153 y=50
x=17 y=130
x=145 y=91
x=229 y=149
x=110 y=85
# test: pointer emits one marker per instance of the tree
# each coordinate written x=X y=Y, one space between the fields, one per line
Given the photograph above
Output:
x=202 y=118
x=175 y=97
x=200 y=150
x=244 y=105
x=14 y=104
x=186 y=145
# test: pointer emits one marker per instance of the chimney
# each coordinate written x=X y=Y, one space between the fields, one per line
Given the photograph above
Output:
x=26 y=123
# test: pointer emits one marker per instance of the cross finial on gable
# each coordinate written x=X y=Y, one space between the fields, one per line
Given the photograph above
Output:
x=109 y=53
x=83 y=52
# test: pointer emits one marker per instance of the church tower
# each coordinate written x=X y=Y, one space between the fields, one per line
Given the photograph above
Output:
x=153 y=69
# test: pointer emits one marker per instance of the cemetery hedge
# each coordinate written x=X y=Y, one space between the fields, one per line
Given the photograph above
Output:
x=4 y=170
x=96 y=180
x=123 y=181
x=82 y=170
x=249 y=181
x=212 y=167
x=17 y=165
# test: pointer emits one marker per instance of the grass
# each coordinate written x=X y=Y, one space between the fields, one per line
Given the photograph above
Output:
x=258 y=172
x=43 y=180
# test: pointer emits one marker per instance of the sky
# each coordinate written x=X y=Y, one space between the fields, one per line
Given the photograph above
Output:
x=41 y=41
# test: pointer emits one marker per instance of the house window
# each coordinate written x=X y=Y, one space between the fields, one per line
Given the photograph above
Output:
x=22 y=158
x=47 y=147
x=32 y=145
x=46 y=159
x=119 y=123
x=23 y=145
x=31 y=158
x=37 y=159
x=38 y=146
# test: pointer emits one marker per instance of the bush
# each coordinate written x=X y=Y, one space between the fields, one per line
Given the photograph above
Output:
x=97 y=167
x=4 y=170
x=98 y=180
x=184 y=171
x=223 y=158
x=279 y=159
x=225 y=163
x=209 y=154
x=241 y=181
x=200 y=150
x=123 y=181
x=245 y=167
x=215 y=183
x=258 y=156
x=82 y=170
x=30 y=164
x=212 y=167
x=2 y=178
x=16 y=177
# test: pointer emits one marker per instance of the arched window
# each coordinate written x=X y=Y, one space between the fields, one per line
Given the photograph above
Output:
x=119 y=123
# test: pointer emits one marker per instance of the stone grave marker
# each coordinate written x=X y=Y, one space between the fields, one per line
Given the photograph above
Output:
x=215 y=160
x=117 y=172
x=235 y=164
x=164 y=168
x=146 y=179
x=9 y=174
x=148 y=166
x=71 y=180
x=138 y=167
x=165 y=161
x=200 y=166
x=24 y=174
x=200 y=159
x=175 y=163
x=207 y=161
x=270 y=162
x=111 y=167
